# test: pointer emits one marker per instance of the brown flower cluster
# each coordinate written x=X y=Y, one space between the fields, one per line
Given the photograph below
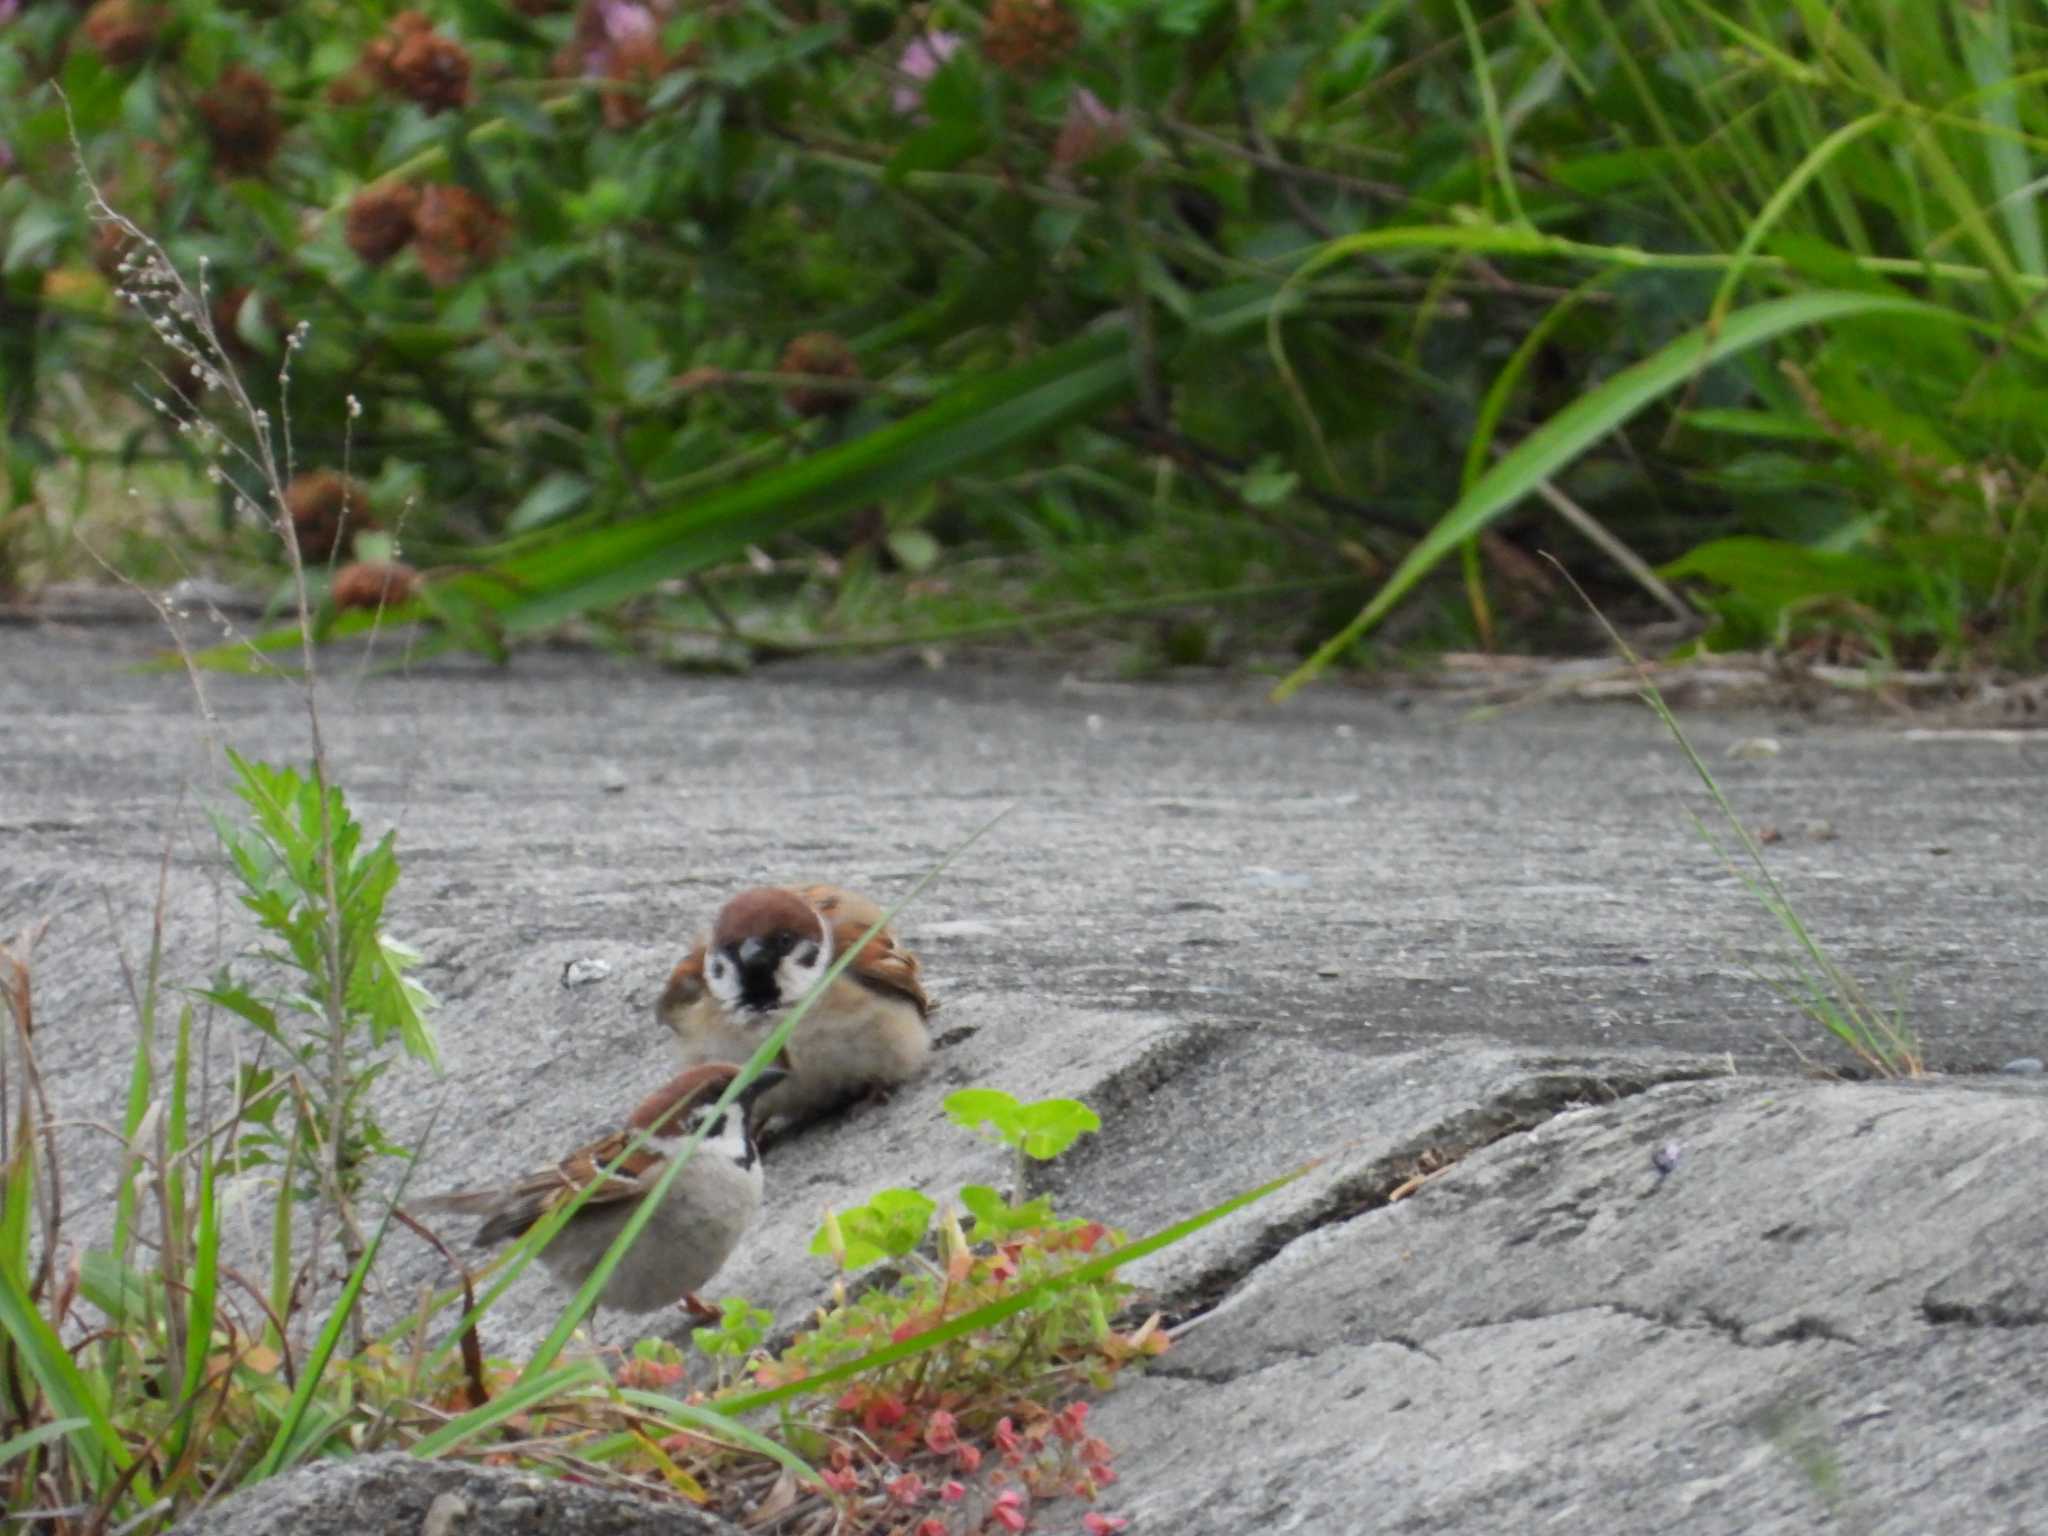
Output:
x=412 y=60
x=373 y=584
x=1028 y=37
x=327 y=510
x=381 y=221
x=242 y=125
x=818 y=355
x=122 y=32
x=454 y=232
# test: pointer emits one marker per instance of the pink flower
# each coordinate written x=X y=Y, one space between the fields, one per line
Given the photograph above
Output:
x=925 y=56
x=1102 y=1525
x=625 y=22
x=967 y=1458
x=952 y=1490
x=907 y=1489
x=941 y=1432
x=1006 y=1434
x=1009 y=1511
x=932 y=1527
x=841 y=1479
x=1072 y=1422
x=1088 y=130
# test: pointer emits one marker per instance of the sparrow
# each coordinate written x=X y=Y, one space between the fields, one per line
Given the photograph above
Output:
x=767 y=948
x=709 y=1204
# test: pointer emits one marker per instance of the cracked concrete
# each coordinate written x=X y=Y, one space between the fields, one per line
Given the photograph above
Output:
x=1494 y=958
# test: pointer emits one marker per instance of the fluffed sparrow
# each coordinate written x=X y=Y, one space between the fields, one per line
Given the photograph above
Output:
x=708 y=1207
x=768 y=947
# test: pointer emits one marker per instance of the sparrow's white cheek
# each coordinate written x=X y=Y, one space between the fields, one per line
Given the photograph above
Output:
x=801 y=970
x=718 y=971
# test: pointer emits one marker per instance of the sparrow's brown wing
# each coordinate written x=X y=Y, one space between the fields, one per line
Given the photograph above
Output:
x=514 y=1208
x=685 y=986
x=882 y=964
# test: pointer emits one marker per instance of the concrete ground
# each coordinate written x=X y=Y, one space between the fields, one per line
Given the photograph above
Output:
x=1360 y=926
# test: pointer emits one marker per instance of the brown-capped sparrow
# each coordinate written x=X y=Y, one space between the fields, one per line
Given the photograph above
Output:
x=708 y=1206
x=768 y=947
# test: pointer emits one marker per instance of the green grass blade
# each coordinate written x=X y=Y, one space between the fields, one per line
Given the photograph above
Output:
x=1561 y=439
x=1816 y=161
x=1009 y=1306
x=96 y=1448
x=510 y=1403
x=1987 y=49
x=285 y=1438
x=709 y=1421
x=1489 y=107
x=42 y=1434
x=200 y=1302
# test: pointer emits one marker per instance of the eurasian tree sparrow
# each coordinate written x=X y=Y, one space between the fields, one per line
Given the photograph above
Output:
x=708 y=1207
x=767 y=949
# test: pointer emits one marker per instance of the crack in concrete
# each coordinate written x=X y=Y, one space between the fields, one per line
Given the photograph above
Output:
x=1404 y=1172
x=1735 y=1333
x=1987 y=1314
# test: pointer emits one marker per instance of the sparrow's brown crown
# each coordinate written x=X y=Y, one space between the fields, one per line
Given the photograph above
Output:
x=764 y=912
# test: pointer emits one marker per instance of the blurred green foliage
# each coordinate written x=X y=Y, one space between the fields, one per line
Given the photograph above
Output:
x=833 y=323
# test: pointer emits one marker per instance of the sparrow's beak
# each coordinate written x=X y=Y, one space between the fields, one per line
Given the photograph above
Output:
x=769 y=1077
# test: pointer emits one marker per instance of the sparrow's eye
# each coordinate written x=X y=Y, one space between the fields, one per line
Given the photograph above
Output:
x=806 y=953
x=718 y=967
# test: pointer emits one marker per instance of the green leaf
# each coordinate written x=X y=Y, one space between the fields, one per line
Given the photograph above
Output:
x=1050 y=1126
x=95 y=1447
x=1588 y=419
x=974 y=1107
x=1032 y=1295
x=556 y=496
x=995 y=1218
x=889 y=1226
x=937 y=147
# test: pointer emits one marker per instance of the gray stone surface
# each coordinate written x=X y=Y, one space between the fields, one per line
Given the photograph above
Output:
x=396 y=1495
x=1352 y=930
x=1833 y=1305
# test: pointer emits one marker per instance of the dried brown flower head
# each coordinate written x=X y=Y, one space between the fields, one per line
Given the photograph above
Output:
x=122 y=32
x=241 y=119
x=380 y=221
x=455 y=231
x=432 y=70
x=1028 y=37
x=378 y=52
x=819 y=355
x=375 y=584
x=328 y=510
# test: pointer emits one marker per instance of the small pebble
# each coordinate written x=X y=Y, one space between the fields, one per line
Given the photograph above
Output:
x=611 y=778
x=1329 y=972
x=581 y=973
x=1821 y=831
x=2024 y=1066
x=1665 y=1158
x=1755 y=748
